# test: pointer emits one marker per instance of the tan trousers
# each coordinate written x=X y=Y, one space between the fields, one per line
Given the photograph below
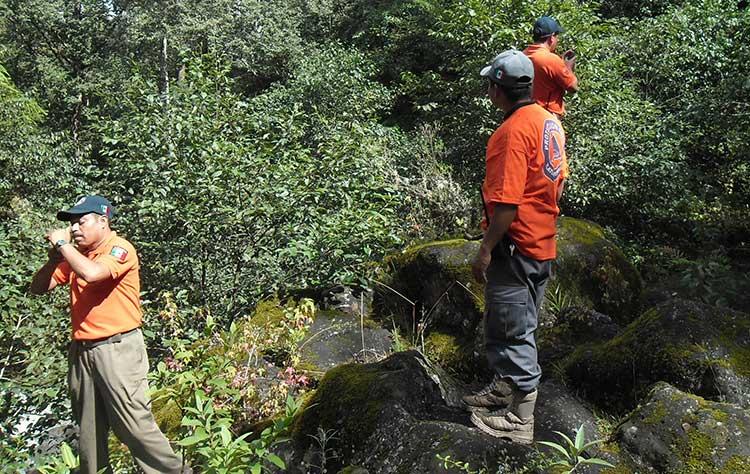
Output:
x=108 y=390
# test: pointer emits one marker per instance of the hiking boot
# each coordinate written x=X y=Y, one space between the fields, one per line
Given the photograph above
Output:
x=516 y=423
x=498 y=394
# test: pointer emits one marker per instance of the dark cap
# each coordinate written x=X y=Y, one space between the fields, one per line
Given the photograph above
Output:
x=546 y=26
x=510 y=68
x=86 y=205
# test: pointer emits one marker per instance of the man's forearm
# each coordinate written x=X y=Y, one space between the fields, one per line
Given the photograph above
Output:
x=42 y=281
x=502 y=218
x=82 y=266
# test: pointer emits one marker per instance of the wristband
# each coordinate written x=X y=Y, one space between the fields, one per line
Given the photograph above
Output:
x=60 y=243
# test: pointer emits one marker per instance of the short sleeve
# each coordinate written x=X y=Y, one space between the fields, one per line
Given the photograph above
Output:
x=62 y=273
x=119 y=260
x=563 y=76
x=507 y=165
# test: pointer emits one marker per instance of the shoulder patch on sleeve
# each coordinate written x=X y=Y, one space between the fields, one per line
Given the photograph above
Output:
x=119 y=253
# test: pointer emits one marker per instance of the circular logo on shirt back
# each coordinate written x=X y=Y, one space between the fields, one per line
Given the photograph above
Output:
x=553 y=149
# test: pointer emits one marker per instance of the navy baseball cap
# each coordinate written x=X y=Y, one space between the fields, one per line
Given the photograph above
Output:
x=546 y=26
x=86 y=205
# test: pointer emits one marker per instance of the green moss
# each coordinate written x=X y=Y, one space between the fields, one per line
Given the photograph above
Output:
x=448 y=352
x=344 y=390
x=739 y=357
x=353 y=470
x=736 y=464
x=657 y=415
x=696 y=452
x=581 y=231
x=167 y=414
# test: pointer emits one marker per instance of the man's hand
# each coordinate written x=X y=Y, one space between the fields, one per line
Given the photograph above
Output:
x=480 y=264
x=570 y=59
x=58 y=234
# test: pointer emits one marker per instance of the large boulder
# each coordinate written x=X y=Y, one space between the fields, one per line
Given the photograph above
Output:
x=431 y=295
x=429 y=292
x=593 y=272
x=572 y=327
x=336 y=337
x=698 y=348
x=396 y=415
x=557 y=409
x=431 y=285
x=676 y=432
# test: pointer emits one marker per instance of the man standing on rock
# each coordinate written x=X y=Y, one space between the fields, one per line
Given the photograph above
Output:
x=553 y=75
x=107 y=361
x=523 y=183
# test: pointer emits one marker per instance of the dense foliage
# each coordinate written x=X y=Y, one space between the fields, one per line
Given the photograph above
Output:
x=258 y=147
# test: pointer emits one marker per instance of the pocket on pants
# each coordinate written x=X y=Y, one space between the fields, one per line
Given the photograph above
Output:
x=506 y=312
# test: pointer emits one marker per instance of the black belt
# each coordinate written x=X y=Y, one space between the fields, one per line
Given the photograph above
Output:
x=114 y=339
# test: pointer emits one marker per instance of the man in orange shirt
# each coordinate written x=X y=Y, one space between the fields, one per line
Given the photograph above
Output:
x=553 y=75
x=107 y=360
x=525 y=162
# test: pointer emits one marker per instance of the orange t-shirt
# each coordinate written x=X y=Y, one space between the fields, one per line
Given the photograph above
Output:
x=525 y=166
x=551 y=78
x=107 y=307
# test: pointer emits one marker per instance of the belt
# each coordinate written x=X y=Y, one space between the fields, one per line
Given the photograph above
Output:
x=114 y=339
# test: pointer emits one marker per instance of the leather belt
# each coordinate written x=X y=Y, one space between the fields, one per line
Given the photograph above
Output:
x=114 y=339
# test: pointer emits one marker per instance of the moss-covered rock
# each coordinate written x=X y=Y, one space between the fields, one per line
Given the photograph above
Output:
x=698 y=348
x=437 y=278
x=447 y=350
x=393 y=417
x=593 y=272
x=167 y=414
x=677 y=432
x=447 y=303
x=572 y=327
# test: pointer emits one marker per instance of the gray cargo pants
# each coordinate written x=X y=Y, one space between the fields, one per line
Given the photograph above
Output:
x=108 y=390
x=513 y=296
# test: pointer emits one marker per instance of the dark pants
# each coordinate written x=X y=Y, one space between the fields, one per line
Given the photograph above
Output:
x=513 y=296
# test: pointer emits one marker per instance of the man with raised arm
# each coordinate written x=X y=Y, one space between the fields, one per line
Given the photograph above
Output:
x=107 y=360
x=553 y=75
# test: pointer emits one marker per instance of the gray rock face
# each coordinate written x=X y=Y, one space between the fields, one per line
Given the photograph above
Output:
x=677 y=432
x=573 y=327
x=698 y=348
x=337 y=338
x=558 y=410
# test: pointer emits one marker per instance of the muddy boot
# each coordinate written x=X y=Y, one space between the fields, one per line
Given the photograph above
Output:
x=498 y=394
x=516 y=423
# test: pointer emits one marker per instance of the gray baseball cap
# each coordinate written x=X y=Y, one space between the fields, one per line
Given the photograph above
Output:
x=510 y=68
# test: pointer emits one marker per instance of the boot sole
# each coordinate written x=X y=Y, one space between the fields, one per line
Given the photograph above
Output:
x=526 y=438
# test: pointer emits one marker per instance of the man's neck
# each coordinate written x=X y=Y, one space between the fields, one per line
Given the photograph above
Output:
x=515 y=106
x=107 y=234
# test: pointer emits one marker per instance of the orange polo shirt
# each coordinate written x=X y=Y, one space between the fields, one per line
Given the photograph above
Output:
x=107 y=307
x=551 y=78
x=525 y=165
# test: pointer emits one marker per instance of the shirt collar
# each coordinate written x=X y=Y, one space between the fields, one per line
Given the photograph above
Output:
x=105 y=244
x=518 y=105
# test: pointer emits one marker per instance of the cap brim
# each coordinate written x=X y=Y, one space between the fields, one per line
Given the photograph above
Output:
x=74 y=212
x=485 y=72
